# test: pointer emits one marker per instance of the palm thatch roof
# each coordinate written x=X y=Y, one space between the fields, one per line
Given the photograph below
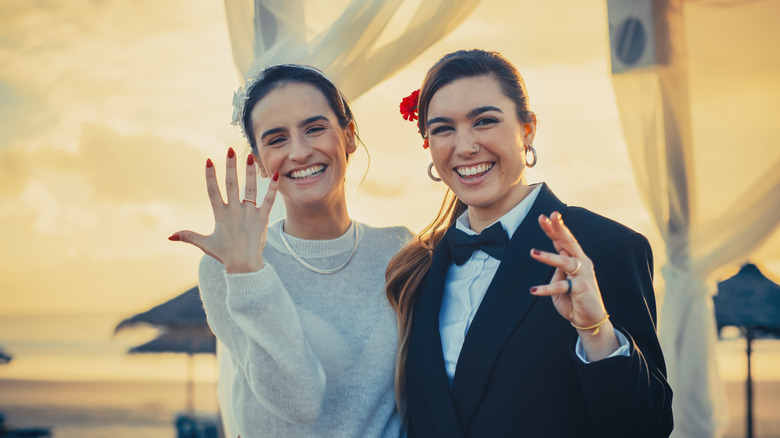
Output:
x=182 y=324
x=183 y=329
x=185 y=310
x=4 y=357
x=749 y=299
x=190 y=341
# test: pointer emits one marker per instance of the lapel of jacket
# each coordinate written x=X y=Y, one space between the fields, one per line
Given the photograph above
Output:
x=426 y=347
x=504 y=306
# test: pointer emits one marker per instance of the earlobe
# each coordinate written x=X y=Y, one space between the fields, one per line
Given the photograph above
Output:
x=529 y=131
x=351 y=138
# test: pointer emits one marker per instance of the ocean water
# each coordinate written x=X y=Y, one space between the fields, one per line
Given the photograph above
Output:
x=71 y=373
x=102 y=409
x=83 y=347
x=92 y=422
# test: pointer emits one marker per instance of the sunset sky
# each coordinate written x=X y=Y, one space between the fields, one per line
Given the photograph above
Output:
x=109 y=109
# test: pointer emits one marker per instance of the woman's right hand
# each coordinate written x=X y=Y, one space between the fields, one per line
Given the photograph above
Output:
x=241 y=226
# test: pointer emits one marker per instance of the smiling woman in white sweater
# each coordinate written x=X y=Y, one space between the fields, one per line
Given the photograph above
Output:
x=299 y=304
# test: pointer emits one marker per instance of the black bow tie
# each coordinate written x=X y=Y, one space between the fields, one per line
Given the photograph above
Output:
x=492 y=240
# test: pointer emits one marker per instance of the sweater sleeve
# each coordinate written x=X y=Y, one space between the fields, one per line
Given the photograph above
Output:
x=254 y=316
x=629 y=393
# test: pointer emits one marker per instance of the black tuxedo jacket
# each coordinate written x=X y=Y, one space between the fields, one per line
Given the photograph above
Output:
x=517 y=374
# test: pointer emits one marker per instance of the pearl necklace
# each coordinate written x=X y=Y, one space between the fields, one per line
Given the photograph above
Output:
x=312 y=268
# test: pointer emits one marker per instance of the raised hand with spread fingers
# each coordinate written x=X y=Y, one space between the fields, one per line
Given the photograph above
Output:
x=240 y=226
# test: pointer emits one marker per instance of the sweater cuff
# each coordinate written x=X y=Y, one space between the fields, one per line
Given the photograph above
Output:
x=262 y=282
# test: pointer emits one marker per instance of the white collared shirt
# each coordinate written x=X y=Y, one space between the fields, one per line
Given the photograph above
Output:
x=465 y=287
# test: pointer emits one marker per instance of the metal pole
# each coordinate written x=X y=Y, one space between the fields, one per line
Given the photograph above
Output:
x=190 y=385
x=749 y=335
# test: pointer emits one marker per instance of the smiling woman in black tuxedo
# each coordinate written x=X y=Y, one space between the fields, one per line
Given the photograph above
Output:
x=508 y=324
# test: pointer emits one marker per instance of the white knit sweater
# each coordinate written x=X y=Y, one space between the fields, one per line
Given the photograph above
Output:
x=313 y=354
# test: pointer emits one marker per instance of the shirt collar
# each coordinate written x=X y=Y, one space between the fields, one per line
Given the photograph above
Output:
x=510 y=221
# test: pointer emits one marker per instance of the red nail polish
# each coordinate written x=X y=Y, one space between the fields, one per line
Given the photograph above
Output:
x=276 y=176
x=250 y=160
x=174 y=238
x=209 y=164
x=534 y=289
x=231 y=153
x=535 y=251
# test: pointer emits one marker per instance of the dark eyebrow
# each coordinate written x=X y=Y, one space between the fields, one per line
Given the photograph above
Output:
x=312 y=119
x=470 y=115
x=300 y=125
x=483 y=109
x=438 y=120
x=271 y=132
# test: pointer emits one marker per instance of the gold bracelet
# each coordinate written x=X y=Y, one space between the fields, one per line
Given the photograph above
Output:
x=596 y=326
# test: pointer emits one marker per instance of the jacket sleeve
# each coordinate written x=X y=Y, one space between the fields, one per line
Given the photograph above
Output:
x=629 y=395
x=254 y=316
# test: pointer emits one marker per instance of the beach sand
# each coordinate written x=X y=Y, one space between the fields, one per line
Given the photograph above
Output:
x=148 y=409
x=101 y=409
x=766 y=409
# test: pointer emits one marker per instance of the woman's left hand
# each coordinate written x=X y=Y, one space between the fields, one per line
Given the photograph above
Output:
x=573 y=288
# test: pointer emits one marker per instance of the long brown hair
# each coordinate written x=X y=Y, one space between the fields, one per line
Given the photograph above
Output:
x=404 y=276
x=408 y=268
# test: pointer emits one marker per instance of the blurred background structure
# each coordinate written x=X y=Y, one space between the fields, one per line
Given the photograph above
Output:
x=183 y=329
x=750 y=302
x=708 y=172
x=4 y=357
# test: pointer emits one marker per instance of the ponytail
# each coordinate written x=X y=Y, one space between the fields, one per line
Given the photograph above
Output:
x=404 y=278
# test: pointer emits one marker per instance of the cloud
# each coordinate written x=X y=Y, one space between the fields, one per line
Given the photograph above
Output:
x=533 y=33
x=138 y=169
x=107 y=112
x=117 y=198
x=109 y=167
x=51 y=216
x=87 y=230
x=83 y=61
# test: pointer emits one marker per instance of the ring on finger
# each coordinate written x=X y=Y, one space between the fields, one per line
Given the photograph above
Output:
x=249 y=200
x=577 y=269
x=568 y=288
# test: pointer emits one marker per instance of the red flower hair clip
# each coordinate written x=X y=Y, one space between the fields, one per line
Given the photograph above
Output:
x=408 y=109
x=408 y=106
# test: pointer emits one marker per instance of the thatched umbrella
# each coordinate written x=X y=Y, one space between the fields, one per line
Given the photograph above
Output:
x=750 y=301
x=185 y=310
x=183 y=329
x=4 y=357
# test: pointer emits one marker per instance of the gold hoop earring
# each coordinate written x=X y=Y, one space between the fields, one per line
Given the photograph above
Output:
x=430 y=173
x=530 y=164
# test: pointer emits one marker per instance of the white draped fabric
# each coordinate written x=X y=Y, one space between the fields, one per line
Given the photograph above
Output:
x=267 y=32
x=703 y=144
x=353 y=51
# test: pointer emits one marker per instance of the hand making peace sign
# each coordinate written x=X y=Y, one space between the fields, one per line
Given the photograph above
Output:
x=574 y=290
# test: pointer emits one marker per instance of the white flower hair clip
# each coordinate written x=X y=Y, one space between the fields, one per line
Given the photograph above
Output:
x=239 y=100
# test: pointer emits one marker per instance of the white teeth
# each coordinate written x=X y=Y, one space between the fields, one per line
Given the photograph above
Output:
x=473 y=170
x=313 y=170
